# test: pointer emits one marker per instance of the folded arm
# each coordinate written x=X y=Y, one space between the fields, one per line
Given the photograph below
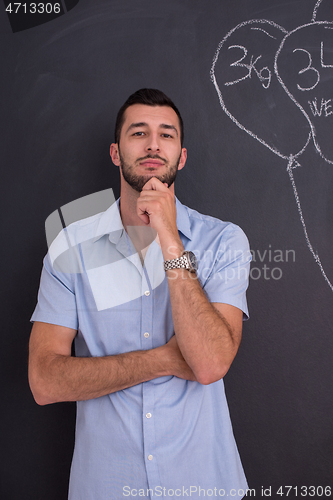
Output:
x=208 y=334
x=55 y=375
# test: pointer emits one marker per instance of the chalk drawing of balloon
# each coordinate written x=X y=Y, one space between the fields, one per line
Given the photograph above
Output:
x=250 y=93
x=304 y=67
x=277 y=87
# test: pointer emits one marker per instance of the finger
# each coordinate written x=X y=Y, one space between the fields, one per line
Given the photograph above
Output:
x=144 y=216
x=148 y=186
x=153 y=184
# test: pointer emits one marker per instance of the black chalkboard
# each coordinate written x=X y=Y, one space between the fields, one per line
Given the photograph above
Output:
x=253 y=81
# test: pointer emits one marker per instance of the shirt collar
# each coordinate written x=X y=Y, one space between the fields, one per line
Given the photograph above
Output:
x=110 y=222
x=183 y=220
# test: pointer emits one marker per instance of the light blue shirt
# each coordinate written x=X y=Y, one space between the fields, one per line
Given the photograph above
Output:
x=169 y=437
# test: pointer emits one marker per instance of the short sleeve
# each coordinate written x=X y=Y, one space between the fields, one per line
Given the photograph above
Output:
x=56 y=298
x=229 y=277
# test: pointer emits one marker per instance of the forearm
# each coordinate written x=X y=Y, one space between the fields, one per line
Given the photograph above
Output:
x=65 y=378
x=204 y=336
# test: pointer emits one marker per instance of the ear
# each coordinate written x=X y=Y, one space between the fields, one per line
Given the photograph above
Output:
x=183 y=158
x=114 y=153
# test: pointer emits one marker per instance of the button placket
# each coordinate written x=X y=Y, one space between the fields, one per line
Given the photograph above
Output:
x=148 y=391
x=147 y=312
x=150 y=452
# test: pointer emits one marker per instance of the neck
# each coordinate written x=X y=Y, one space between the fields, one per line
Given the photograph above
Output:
x=127 y=206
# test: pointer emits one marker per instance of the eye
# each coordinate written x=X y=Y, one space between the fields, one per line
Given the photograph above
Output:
x=138 y=133
x=167 y=136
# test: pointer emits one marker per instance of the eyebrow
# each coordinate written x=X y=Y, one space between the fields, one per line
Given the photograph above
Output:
x=144 y=124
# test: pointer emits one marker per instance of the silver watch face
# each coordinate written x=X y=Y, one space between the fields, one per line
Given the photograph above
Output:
x=193 y=261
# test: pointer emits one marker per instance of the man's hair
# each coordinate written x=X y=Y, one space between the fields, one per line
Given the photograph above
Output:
x=149 y=97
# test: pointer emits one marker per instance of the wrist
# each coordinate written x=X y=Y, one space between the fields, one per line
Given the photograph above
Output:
x=164 y=361
x=172 y=249
x=187 y=261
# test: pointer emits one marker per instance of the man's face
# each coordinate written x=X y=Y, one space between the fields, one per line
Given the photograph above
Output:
x=149 y=146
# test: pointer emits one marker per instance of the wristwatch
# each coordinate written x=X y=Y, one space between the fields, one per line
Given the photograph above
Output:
x=186 y=261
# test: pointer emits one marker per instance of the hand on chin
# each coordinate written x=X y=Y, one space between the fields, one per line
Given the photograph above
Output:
x=156 y=207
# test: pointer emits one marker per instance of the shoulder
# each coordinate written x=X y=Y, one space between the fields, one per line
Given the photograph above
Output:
x=208 y=228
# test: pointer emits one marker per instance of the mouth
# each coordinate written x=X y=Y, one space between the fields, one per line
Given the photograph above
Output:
x=151 y=163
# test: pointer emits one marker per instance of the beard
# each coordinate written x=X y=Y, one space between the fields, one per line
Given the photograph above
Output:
x=138 y=181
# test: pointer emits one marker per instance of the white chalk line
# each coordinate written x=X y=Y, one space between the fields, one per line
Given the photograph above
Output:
x=260 y=29
x=314 y=15
x=290 y=168
x=213 y=79
x=313 y=130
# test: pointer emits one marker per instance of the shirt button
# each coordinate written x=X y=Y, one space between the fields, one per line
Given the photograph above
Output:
x=146 y=335
x=148 y=415
x=150 y=457
x=147 y=293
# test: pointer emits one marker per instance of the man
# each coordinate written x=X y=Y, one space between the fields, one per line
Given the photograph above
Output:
x=156 y=327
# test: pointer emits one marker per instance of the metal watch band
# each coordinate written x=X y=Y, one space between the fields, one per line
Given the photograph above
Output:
x=179 y=263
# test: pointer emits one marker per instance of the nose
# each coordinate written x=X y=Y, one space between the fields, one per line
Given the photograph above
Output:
x=153 y=145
